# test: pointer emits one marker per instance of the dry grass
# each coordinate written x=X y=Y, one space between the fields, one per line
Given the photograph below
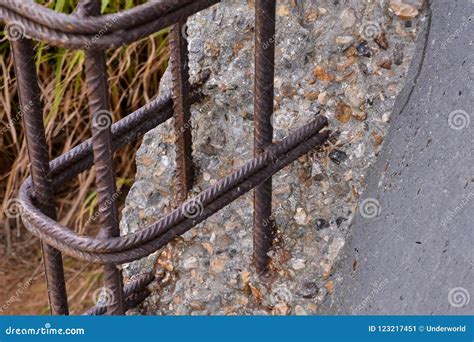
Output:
x=134 y=74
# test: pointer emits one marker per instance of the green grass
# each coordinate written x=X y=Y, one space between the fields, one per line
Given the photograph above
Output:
x=134 y=74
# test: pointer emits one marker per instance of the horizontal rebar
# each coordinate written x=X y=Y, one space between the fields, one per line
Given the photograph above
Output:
x=144 y=241
x=86 y=29
x=99 y=39
x=138 y=15
x=133 y=288
x=124 y=131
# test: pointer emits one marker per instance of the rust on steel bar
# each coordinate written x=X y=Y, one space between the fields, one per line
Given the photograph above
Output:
x=135 y=16
x=124 y=131
x=136 y=287
x=98 y=94
x=84 y=29
x=33 y=123
x=182 y=110
x=145 y=241
x=263 y=130
x=110 y=33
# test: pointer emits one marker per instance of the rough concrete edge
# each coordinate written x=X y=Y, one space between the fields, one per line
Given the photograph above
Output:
x=416 y=67
x=401 y=103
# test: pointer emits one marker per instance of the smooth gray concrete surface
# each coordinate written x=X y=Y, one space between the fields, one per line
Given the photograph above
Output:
x=417 y=255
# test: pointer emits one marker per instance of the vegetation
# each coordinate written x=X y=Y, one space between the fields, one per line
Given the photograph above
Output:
x=134 y=74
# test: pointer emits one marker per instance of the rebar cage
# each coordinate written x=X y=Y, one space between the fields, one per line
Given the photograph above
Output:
x=93 y=33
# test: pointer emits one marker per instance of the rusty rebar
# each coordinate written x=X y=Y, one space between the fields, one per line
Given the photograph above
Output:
x=145 y=241
x=125 y=20
x=124 y=131
x=263 y=130
x=32 y=116
x=182 y=110
x=101 y=121
x=136 y=287
x=88 y=30
x=109 y=33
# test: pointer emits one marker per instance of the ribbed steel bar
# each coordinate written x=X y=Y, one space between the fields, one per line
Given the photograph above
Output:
x=136 y=16
x=243 y=187
x=182 y=110
x=136 y=239
x=181 y=228
x=263 y=130
x=107 y=37
x=146 y=241
x=130 y=302
x=124 y=131
x=32 y=116
x=97 y=87
x=86 y=29
x=131 y=289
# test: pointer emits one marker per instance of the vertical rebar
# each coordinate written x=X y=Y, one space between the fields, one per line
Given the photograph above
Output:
x=98 y=94
x=263 y=130
x=181 y=107
x=32 y=117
